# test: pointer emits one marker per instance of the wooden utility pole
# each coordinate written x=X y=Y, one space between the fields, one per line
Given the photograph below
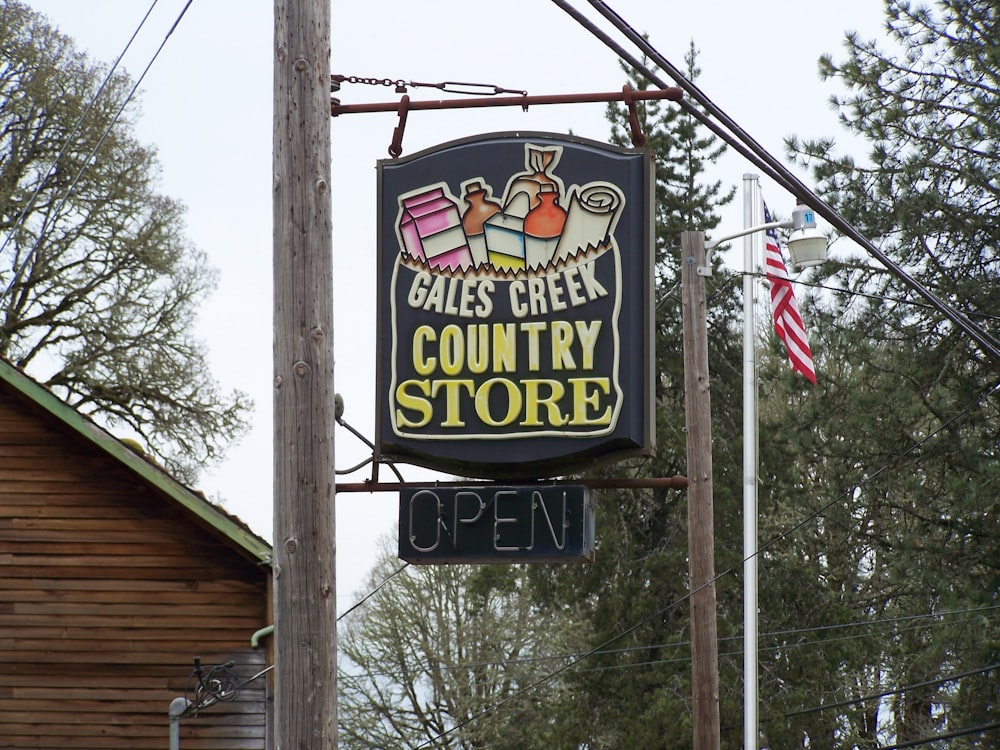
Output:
x=701 y=533
x=305 y=610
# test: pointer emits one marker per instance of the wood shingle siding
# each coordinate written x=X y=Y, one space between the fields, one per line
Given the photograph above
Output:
x=109 y=587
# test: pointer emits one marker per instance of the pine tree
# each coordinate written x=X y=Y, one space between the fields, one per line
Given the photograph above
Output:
x=634 y=597
x=900 y=459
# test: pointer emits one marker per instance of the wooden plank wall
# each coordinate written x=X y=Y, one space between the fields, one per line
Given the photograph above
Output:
x=107 y=592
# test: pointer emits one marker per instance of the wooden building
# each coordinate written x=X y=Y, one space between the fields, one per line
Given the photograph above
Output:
x=113 y=578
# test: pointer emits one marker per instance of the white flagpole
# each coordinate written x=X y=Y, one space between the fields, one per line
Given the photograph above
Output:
x=750 y=700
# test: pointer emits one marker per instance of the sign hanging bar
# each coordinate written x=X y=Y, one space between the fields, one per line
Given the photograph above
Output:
x=671 y=93
x=676 y=482
x=405 y=105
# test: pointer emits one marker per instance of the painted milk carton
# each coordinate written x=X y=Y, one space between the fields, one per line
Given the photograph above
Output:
x=430 y=227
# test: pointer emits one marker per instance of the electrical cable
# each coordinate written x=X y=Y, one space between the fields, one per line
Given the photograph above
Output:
x=794 y=185
x=374 y=591
x=18 y=268
x=868 y=295
x=895 y=691
x=874 y=628
x=19 y=221
x=93 y=152
x=760 y=157
x=964 y=732
x=847 y=494
x=781 y=175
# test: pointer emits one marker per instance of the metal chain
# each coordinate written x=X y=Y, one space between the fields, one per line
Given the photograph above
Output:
x=368 y=81
x=451 y=87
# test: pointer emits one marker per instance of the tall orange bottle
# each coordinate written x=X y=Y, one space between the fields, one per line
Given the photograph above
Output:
x=481 y=206
x=542 y=227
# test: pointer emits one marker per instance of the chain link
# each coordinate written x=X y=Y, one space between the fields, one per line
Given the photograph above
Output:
x=453 y=87
x=368 y=81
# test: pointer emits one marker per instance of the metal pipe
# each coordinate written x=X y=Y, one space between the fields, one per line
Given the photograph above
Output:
x=177 y=708
x=262 y=633
x=673 y=93
x=750 y=470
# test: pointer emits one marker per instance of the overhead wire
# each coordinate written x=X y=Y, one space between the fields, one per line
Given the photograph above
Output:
x=19 y=221
x=104 y=135
x=749 y=148
x=868 y=295
x=374 y=591
x=877 y=627
x=896 y=691
x=845 y=495
x=963 y=732
x=741 y=141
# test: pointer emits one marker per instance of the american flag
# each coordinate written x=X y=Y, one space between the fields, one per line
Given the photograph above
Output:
x=787 y=319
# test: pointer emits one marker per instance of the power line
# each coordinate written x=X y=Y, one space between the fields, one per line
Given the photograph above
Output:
x=69 y=139
x=741 y=141
x=96 y=148
x=871 y=296
x=749 y=148
x=374 y=591
x=895 y=691
x=678 y=602
x=874 y=628
x=964 y=732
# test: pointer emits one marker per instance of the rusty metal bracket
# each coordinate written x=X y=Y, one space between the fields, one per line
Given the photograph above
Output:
x=638 y=137
x=402 y=108
x=396 y=147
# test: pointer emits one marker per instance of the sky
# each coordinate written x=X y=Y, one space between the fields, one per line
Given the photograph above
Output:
x=206 y=106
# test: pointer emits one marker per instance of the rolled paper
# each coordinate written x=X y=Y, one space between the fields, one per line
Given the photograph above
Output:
x=591 y=216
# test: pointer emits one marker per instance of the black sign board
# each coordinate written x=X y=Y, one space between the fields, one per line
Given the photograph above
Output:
x=515 y=306
x=495 y=524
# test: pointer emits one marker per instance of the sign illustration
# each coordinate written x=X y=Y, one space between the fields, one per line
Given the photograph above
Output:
x=514 y=312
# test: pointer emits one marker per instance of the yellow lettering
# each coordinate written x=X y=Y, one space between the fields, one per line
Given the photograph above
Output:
x=587 y=333
x=453 y=405
x=533 y=330
x=479 y=348
x=483 y=402
x=504 y=347
x=581 y=400
x=562 y=339
x=423 y=365
x=452 y=350
x=533 y=401
x=414 y=403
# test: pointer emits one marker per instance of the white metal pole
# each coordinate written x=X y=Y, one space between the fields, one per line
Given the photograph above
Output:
x=749 y=472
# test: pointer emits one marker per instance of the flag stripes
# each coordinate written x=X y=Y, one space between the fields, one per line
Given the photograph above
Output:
x=785 y=309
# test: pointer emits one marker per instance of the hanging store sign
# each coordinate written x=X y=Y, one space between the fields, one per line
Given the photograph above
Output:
x=496 y=524
x=515 y=306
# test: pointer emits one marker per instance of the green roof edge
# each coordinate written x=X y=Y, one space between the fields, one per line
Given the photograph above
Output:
x=227 y=525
